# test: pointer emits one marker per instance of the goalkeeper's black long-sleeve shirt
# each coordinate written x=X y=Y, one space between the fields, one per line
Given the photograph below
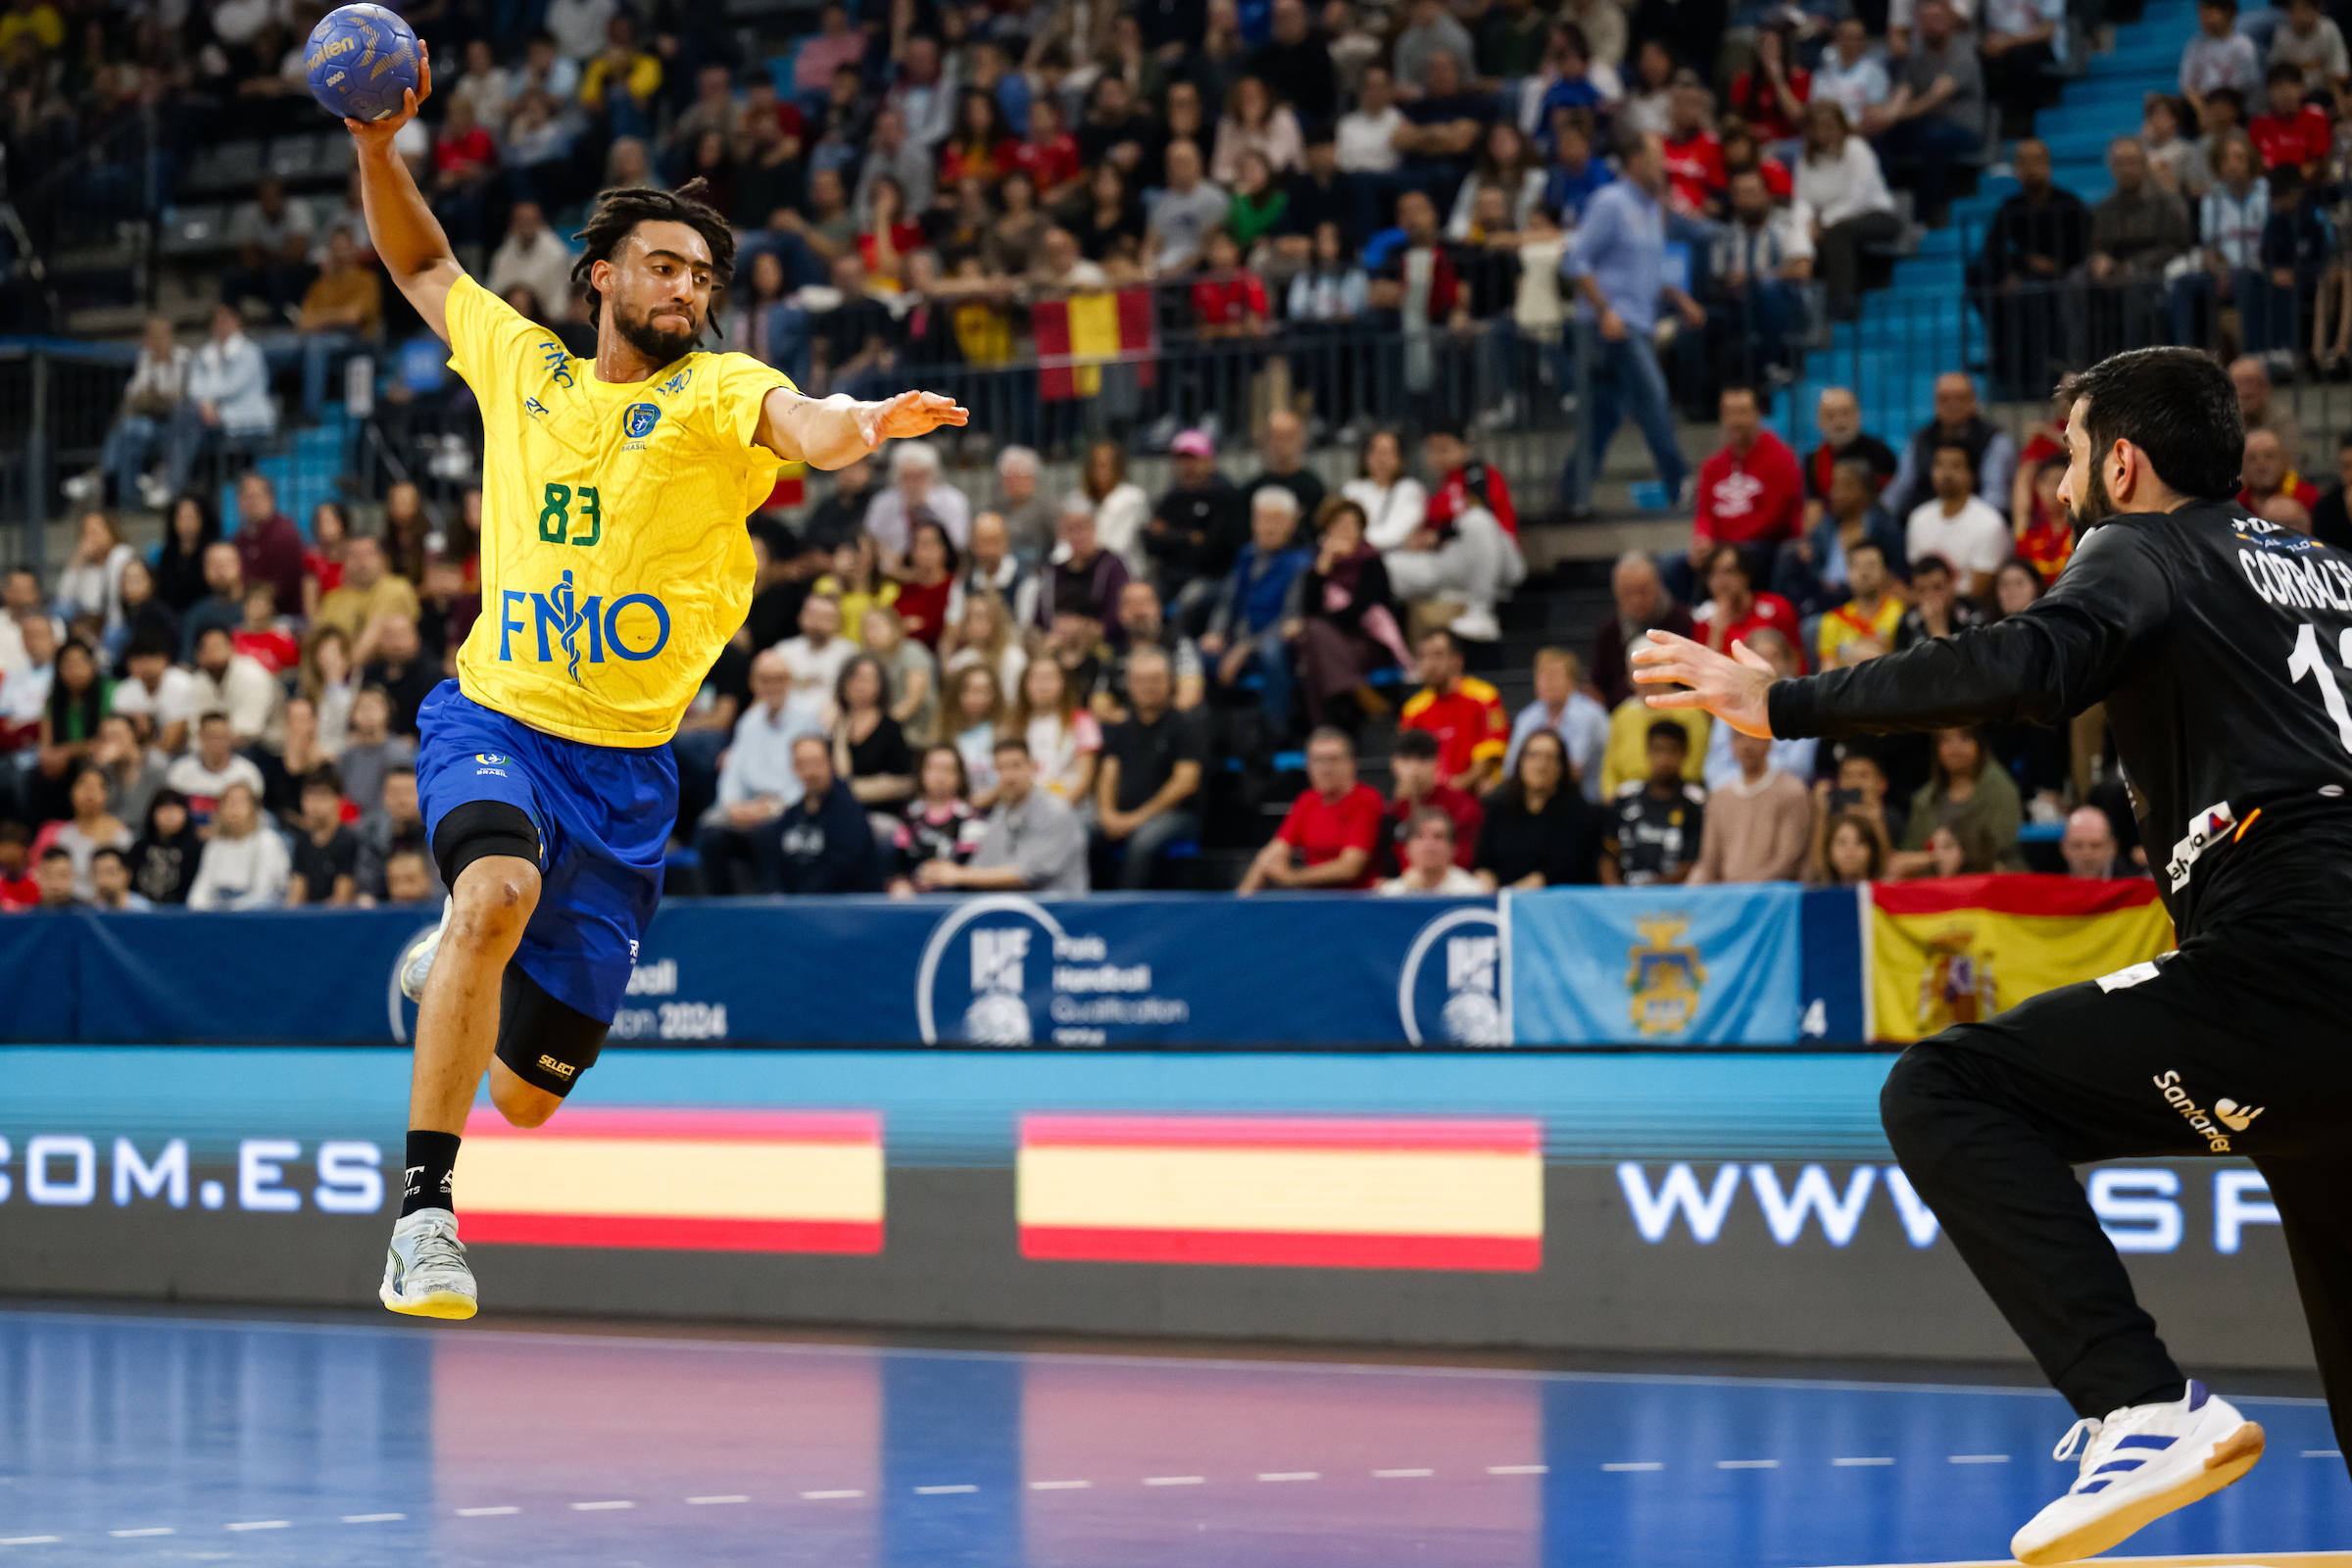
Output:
x=2221 y=645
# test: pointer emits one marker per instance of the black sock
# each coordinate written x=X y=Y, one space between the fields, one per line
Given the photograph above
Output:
x=432 y=1160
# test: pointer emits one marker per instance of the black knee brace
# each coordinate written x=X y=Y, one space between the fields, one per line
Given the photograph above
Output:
x=547 y=1043
x=476 y=829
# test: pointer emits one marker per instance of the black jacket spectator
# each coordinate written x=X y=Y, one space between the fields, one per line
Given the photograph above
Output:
x=1611 y=672
x=408 y=683
x=1206 y=529
x=2053 y=227
x=1300 y=73
x=1562 y=841
x=163 y=863
x=829 y=845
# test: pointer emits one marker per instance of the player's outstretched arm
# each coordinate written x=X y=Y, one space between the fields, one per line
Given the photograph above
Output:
x=400 y=224
x=1736 y=690
x=835 y=431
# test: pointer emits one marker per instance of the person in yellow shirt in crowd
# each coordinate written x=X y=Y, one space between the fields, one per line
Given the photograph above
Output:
x=1627 y=757
x=342 y=312
x=371 y=591
x=1868 y=619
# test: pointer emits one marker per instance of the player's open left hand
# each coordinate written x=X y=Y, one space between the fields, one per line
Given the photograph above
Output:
x=1735 y=689
x=915 y=413
x=384 y=129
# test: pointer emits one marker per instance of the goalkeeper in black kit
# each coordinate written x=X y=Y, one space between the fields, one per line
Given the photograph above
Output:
x=2220 y=644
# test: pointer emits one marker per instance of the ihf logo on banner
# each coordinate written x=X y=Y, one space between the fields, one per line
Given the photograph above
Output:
x=1451 y=990
x=1003 y=970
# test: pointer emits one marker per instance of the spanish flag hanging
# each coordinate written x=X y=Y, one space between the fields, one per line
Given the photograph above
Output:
x=1962 y=948
x=1091 y=326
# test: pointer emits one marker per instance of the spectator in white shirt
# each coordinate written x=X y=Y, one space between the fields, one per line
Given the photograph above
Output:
x=245 y=864
x=533 y=257
x=156 y=383
x=1958 y=524
x=227 y=397
x=1562 y=708
x=1366 y=137
x=1181 y=220
x=1850 y=74
x=229 y=682
x=915 y=486
x=205 y=774
x=756 y=784
x=1429 y=864
x=1843 y=192
x=578 y=25
x=158 y=690
x=1395 y=503
x=814 y=659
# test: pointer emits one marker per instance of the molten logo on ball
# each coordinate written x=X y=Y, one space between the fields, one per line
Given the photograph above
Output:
x=361 y=62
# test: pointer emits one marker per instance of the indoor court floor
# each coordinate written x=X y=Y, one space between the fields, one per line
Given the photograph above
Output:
x=156 y=1438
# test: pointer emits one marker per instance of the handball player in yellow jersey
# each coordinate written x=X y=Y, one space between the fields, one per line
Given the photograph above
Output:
x=615 y=564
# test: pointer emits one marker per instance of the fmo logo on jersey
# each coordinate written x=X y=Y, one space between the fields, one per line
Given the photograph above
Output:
x=562 y=625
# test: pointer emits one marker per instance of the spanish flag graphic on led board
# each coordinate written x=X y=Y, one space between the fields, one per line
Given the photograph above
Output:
x=1305 y=1192
x=716 y=1181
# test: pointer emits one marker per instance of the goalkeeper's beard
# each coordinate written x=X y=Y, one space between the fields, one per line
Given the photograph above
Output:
x=658 y=344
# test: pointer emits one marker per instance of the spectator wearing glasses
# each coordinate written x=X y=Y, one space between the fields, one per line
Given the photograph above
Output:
x=1328 y=839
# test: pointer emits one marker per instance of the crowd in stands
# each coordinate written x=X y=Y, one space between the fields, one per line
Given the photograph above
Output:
x=916 y=704
x=1378 y=190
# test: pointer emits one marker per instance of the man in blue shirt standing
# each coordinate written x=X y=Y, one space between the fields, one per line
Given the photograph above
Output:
x=1616 y=264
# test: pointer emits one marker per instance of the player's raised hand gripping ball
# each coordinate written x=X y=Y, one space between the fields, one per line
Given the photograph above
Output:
x=362 y=63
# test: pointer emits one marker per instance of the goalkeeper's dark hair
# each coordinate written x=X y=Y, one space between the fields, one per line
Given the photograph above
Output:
x=2177 y=406
x=618 y=213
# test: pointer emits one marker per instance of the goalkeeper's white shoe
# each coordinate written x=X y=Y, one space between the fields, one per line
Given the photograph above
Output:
x=417 y=963
x=2139 y=1463
x=426 y=1273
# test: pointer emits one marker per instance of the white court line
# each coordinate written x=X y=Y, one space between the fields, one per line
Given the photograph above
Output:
x=2323 y=1453
x=151 y=1530
x=598 y=1508
x=821 y=1497
x=1977 y=1458
x=1748 y=1464
x=1290 y=1475
x=730 y=1498
x=1402 y=1475
x=1633 y=1464
x=264 y=1524
x=370 y=1518
x=1848 y=1464
x=941 y=1492
x=1175 y=1481
x=484 y=1513
x=1518 y=1469
x=28 y=1541
x=1060 y=1485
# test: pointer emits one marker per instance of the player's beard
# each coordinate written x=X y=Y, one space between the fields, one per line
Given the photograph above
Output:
x=2089 y=515
x=658 y=344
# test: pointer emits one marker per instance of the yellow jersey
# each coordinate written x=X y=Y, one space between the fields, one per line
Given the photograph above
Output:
x=615 y=558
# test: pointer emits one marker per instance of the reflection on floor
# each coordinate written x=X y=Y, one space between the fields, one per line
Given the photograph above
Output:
x=145 y=1440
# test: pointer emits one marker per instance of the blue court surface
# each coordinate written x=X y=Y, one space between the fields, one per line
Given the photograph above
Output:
x=166 y=1439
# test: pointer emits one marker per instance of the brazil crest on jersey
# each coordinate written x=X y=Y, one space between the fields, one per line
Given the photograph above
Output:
x=615 y=558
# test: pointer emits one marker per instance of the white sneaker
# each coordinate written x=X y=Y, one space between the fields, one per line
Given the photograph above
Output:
x=2138 y=1464
x=1477 y=624
x=417 y=963
x=154 y=492
x=424 y=1272
x=84 y=489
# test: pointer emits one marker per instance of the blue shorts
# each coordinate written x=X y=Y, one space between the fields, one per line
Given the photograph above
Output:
x=604 y=814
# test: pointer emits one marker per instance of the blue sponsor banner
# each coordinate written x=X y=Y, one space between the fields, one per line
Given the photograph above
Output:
x=1002 y=971
x=1657 y=966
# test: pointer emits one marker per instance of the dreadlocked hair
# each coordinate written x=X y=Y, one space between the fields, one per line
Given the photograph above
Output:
x=618 y=213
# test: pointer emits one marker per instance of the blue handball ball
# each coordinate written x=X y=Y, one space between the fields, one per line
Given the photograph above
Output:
x=360 y=59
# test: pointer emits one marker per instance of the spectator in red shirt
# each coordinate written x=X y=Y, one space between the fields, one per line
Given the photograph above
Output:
x=1838 y=418
x=263 y=637
x=1750 y=491
x=2293 y=133
x=465 y=159
x=1050 y=155
x=1770 y=95
x=268 y=545
x=1736 y=610
x=1693 y=152
x=1328 y=839
x=1414 y=765
x=981 y=144
x=1231 y=301
x=1462 y=712
x=19 y=890
x=2267 y=475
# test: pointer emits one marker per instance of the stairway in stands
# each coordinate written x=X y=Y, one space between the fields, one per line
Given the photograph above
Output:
x=1922 y=326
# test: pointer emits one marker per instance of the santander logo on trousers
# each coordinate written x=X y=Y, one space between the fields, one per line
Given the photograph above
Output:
x=2227 y=1117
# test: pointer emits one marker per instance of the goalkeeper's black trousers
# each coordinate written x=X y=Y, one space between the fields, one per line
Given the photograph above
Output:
x=2241 y=1043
